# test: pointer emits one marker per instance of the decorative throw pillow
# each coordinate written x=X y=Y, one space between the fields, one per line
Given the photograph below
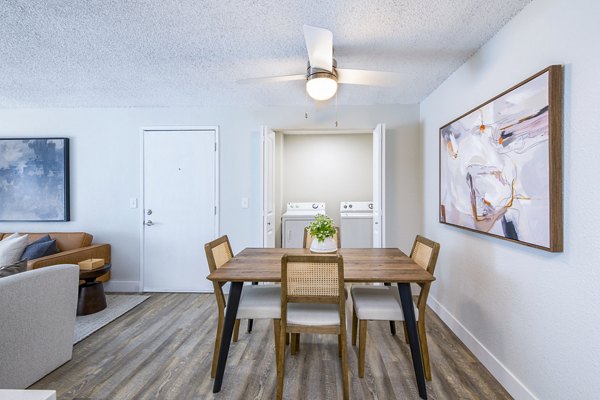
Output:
x=9 y=270
x=53 y=249
x=45 y=238
x=11 y=250
x=14 y=235
x=44 y=246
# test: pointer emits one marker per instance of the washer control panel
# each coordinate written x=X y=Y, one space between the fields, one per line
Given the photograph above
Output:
x=306 y=206
x=356 y=206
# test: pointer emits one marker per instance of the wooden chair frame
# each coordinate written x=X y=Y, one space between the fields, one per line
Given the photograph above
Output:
x=221 y=303
x=339 y=330
x=361 y=325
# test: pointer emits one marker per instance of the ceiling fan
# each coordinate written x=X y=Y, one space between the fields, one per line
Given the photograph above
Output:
x=322 y=75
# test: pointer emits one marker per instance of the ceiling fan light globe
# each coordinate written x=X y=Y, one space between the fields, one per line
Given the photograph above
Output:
x=321 y=88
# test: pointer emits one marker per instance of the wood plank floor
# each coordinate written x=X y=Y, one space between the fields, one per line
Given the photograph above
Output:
x=163 y=350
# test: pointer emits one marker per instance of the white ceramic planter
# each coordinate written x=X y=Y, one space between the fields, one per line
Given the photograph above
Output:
x=329 y=245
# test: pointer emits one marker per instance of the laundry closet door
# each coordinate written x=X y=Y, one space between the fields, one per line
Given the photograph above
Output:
x=378 y=186
x=268 y=186
x=180 y=208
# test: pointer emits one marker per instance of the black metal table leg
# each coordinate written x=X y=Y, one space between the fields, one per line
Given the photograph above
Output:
x=413 y=337
x=250 y=321
x=233 y=301
x=392 y=323
x=393 y=327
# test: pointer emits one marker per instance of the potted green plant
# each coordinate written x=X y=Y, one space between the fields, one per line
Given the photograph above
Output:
x=322 y=230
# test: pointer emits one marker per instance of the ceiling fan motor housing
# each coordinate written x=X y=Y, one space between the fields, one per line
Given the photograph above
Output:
x=313 y=73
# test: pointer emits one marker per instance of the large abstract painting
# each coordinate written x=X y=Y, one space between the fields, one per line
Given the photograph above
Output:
x=501 y=165
x=34 y=179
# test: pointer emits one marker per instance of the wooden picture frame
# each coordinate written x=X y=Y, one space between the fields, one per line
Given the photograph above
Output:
x=505 y=156
x=34 y=179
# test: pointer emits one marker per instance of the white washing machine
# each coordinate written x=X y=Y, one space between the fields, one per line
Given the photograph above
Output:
x=356 y=224
x=295 y=219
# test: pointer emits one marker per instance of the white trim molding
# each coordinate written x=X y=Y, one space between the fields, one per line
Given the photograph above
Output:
x=507 y=379
x=122 y=286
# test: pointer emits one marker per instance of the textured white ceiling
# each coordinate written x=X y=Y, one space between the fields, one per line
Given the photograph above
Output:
x=60 y=53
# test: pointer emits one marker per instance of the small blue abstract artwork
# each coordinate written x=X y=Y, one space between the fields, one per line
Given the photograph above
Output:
x=34 y=179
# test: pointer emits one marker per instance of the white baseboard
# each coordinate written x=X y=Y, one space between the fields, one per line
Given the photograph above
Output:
x=511 y=383
x=162 y=290
x=122 y=286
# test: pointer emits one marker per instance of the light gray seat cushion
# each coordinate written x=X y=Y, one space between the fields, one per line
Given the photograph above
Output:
x=378 y=303
x=260 y=301
x=313 y=314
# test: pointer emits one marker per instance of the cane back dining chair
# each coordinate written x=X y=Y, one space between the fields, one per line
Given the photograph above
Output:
x=306 y=242
x=256 y=302
x=382 y=303
x=312 y=301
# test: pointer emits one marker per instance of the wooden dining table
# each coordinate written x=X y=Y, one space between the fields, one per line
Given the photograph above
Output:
x=360 y=265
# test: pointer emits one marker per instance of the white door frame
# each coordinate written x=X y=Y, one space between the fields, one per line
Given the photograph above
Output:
x=142 y=205
x=319 y=131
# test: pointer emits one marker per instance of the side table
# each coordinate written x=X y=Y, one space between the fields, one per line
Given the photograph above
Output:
x=91 y=297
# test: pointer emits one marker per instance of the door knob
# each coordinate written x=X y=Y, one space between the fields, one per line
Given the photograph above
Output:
x=149 y=212
x=149 y=223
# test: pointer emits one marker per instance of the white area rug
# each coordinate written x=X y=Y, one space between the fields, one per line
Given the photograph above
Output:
x=117 y=305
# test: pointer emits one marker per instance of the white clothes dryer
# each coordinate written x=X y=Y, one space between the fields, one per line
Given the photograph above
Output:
x=356 y=224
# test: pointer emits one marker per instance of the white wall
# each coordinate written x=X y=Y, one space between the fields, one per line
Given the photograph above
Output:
x=328 y=168
x=529 y=315
x=105 y=167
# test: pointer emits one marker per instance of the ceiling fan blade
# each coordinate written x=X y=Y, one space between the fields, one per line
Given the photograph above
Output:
x=371 y=78
x=272 y=79
x=319 y=43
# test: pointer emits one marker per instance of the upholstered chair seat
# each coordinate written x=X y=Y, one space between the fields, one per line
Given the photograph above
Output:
x=260 y=302
x=313 y=314
x=381 y=303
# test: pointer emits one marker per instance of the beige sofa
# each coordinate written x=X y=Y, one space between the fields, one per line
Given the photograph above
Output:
x=73 y=247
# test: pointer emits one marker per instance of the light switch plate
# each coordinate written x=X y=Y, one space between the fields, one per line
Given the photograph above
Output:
x=133 y=202
x=244 y=202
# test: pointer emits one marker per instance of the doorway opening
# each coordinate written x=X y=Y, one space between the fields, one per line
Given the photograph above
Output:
x=304 y=168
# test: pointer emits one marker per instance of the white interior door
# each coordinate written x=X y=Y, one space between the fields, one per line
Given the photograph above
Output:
x=379 y=186
x=268 y=186
x=180 y=208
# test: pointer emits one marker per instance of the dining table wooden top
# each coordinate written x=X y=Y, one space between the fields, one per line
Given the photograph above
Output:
x=360 y=265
